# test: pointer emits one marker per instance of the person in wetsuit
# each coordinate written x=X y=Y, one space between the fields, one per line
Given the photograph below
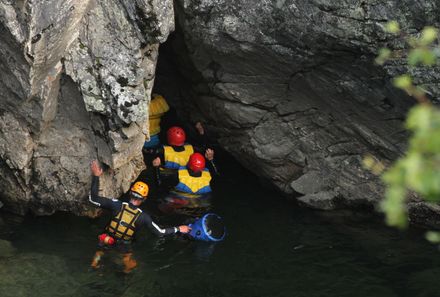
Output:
x=157 y=108
x=176 y=154
x=190 y=188
x=127 y=218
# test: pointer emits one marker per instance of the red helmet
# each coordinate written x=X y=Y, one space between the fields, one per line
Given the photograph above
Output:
x=196 y=162
x=176 y=136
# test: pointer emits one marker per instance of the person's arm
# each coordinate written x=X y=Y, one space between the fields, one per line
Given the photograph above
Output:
x=146 y=220
x=211 y=166
x=201 y=138
x=158 y=160
x=94 y=197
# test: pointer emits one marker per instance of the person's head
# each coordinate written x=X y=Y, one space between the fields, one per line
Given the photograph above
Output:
x=176 y=136
x=138 y=193
x=196 y=162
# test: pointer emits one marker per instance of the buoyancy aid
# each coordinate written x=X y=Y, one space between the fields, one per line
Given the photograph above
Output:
x=192 y=186
x=175 y=160
x=122 y=226
x=158 y=106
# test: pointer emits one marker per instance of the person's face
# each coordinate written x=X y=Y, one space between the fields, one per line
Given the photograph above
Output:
x=136 y=202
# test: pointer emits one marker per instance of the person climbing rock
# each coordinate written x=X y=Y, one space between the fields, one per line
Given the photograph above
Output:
x=176 y=154
x=158 y=107
x=127 y=218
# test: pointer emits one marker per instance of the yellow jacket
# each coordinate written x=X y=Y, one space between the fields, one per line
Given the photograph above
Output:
x=158 y=107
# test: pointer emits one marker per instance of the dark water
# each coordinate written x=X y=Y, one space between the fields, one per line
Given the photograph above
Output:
x=272 y=249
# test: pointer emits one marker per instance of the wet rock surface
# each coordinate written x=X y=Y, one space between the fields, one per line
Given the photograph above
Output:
x=288 y=87
x=75 y=83
x=291 y=89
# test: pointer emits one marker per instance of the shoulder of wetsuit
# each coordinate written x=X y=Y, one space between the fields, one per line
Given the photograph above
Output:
x=143 y=219
x=199 y=149
x=158 y=152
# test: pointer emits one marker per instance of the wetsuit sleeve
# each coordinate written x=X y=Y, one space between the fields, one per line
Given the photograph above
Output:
x=201 y=143
x=145 y=220
x=212 y=167
x=99 y=201
x=160 y=153
x=199 y=149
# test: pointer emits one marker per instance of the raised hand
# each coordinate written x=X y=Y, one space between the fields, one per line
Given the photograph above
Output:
x=95 y=168
x=156 y=162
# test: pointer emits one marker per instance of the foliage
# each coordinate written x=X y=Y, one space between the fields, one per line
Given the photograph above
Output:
x=419 y=169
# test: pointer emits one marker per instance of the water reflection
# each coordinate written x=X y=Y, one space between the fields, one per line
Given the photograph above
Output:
x=190 y=207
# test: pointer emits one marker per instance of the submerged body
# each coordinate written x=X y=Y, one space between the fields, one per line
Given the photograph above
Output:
x=127 y=219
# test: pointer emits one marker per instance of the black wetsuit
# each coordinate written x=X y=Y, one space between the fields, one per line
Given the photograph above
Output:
x=115 y=206
x=159 y=152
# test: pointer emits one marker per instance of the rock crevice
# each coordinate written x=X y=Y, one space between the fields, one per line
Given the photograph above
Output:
x=291 y=90
x=75 y=85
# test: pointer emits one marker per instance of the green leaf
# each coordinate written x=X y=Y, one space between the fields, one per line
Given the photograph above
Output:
x=419 y=117
x=415 y=56
x=421 y=55
x=419 y=170
x=429 y=35
x=392 y=27
x=384 y=55
x=429 y=58
x=395 y=175
x=433 y=237
x=394 y=206
x=403 y=81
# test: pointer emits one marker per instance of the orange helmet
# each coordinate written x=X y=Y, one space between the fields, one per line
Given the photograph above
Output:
x=176 y=136
x=141 y=189
x=196 y=162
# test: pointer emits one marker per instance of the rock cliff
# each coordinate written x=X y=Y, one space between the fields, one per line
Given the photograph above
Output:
x=75 y=82
x=291 y=89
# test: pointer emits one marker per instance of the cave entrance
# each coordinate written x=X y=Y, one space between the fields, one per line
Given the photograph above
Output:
x=177 y=80
x=171 y=83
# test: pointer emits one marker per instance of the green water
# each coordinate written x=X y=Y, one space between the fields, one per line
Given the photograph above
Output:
x=272 y=249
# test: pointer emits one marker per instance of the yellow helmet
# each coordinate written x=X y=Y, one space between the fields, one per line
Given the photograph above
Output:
x=140 y=188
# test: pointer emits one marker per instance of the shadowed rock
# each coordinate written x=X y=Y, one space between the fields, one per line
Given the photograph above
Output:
x=291 y=89
x=75 y=83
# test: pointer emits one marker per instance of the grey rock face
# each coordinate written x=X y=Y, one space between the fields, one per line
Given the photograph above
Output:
x=75 y=83
x=292 y=91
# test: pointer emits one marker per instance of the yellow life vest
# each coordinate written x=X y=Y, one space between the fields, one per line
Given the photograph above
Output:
x=158 y=107
x=122 y=226
x=193 y=186
x=175 y=160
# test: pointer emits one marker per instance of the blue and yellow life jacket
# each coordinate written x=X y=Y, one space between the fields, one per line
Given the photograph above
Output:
x=192 y=186
x=175 y=160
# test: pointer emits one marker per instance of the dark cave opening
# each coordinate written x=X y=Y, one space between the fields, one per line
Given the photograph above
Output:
x=180 y=83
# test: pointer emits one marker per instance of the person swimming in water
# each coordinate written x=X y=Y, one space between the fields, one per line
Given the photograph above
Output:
x=127 y=219
x=176 y=154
